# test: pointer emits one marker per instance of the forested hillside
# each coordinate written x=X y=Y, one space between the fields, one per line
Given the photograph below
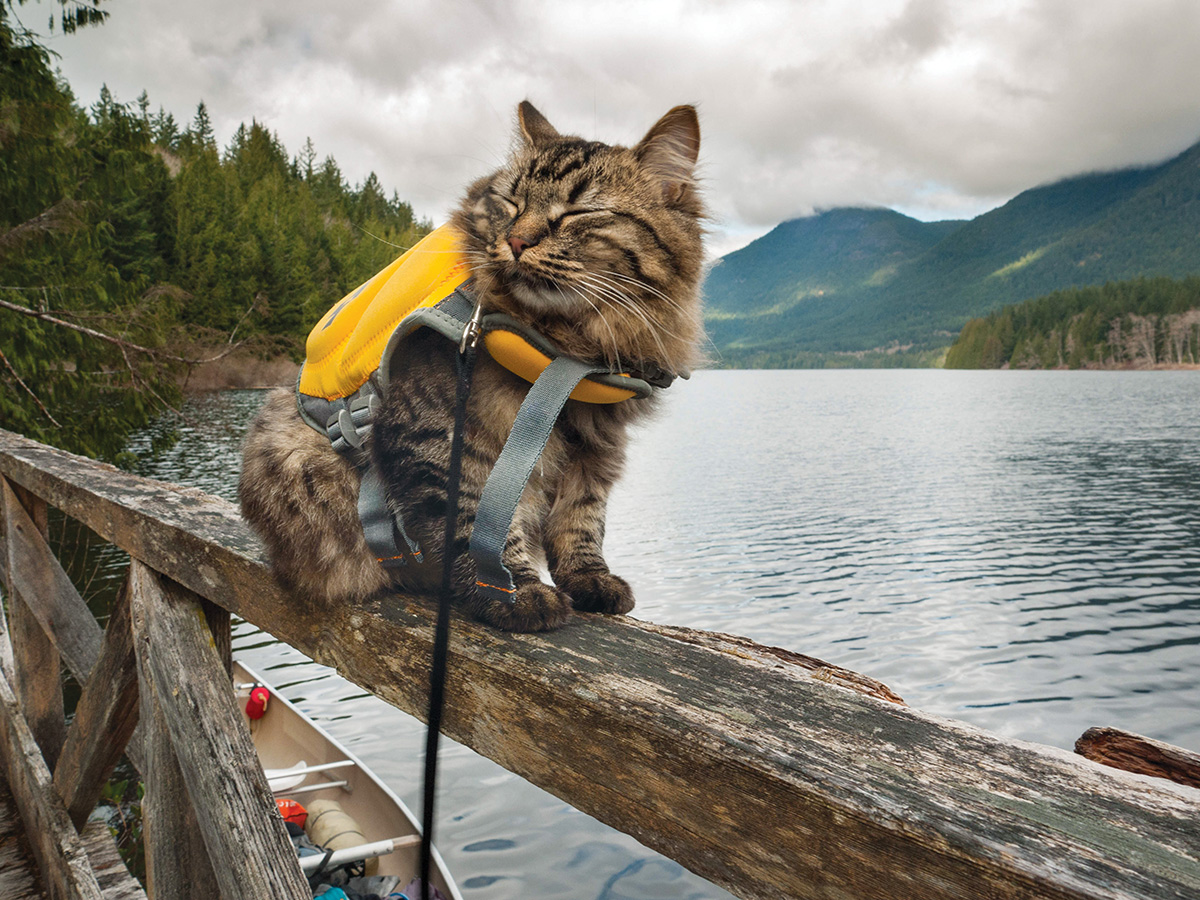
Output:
x=788 y=306
x=1134 y=324
x=830 y=253
x=132 y=246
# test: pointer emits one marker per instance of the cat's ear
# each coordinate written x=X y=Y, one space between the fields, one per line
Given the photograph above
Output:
x=535 y=130
x=669 y=150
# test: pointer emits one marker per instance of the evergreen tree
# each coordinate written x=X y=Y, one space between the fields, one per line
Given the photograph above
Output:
x=127 y=248
x=201 y=131
x=165 y=130
x=74 y=260
x=1143 y=322
x=305 y=159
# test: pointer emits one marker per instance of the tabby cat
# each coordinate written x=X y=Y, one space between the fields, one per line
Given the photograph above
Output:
x=599 y=248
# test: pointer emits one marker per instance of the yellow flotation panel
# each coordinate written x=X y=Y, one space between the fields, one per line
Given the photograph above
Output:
x=346 y=345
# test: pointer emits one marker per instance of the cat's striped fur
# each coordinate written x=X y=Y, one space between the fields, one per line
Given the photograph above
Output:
x=599 y=248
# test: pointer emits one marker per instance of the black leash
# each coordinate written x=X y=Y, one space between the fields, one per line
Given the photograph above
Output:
x=465 y=364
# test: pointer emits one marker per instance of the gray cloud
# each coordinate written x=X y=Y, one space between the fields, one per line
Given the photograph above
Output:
x=934 y=107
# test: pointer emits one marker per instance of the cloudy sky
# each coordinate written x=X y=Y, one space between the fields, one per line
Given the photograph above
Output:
x=938 y=108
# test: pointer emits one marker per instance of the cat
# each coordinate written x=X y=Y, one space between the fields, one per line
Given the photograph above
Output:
x=600 y=248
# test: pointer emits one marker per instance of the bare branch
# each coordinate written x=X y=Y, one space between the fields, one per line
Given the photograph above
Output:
x=256 y=305
x=116 y=341
x=35 y=397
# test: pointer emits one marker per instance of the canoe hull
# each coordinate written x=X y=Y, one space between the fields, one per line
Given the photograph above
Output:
x=285 y=736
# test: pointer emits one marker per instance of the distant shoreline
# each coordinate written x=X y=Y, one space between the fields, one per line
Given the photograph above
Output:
x=1157 y=367
x=248 y=372
x=242 y=371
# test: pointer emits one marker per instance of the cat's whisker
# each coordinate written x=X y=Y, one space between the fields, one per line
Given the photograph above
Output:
x=650 y=289
x=691 y=316
x=652 y=322
x=613 y=359
x=618 y=298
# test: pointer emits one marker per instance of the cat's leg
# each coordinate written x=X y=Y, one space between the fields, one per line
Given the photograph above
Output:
x=574 y=533
x=412 y=440
x=301 y=497
x=419 y=490
x=533 y=605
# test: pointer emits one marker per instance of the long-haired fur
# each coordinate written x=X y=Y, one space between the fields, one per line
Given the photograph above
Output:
x=598 y=247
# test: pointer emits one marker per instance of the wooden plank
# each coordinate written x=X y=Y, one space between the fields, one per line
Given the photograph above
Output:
x=7 y=666
x=738 y=762
x=220 y=626
x=114 y=879
x=246 y=840
x=37 y=667
x=63 y=614
x=61 y=857
x=177 y=862
x=19 y=878
x=105 y=717
x=1134 y=753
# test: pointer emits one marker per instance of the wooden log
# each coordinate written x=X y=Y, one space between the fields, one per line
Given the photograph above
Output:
x=61 y=857
x=62 y=613
x=105 y=717
x=1134 y=753
x=37 y=667
x=251 y=854
x=741 y=765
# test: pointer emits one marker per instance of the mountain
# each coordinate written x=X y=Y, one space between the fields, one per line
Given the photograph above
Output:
x=833 y=252
x=853 y=280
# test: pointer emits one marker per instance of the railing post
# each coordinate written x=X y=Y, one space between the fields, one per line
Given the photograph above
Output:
x=105 y=717
x=197 y=730
x=60 y=854
x=37 y=667
x=177 y=863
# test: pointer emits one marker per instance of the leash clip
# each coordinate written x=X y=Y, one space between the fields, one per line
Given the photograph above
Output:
x=470 y=335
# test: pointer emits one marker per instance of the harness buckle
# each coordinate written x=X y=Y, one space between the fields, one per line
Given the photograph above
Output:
x=470 y=335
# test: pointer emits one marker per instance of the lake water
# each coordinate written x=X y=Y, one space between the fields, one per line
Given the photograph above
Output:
x=1019 y=550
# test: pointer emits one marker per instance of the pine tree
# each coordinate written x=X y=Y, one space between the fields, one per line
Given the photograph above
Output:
x=165 y=130
x=305 y=159
x=201 y=130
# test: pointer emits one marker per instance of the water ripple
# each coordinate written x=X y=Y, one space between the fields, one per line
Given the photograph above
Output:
x=1017 y=549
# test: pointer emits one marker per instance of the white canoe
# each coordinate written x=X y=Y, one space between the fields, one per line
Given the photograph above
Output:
x=303 y=762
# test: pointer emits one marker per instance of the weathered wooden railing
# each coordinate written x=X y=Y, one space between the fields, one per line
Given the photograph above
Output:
x=209 y=819
x=754 y=767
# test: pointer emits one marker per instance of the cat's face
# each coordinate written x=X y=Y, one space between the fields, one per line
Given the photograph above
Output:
x=606 y=236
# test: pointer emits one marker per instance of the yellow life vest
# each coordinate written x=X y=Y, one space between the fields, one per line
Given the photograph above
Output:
x=350 y=354
x=355 y=337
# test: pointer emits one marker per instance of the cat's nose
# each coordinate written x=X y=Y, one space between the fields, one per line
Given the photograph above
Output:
x=519 y=245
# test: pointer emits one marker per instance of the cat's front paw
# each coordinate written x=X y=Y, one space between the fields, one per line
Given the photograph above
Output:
x=598 y=592
x=535 y=607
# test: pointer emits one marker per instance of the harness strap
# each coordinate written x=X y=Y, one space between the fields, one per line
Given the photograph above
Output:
x=498 y=502
x=382 y=527
x=347 y=422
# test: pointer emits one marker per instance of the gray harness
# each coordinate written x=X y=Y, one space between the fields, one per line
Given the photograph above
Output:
x=347 y=423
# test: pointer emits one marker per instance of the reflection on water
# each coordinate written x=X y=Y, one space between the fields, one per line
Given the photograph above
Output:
x=1018 y=550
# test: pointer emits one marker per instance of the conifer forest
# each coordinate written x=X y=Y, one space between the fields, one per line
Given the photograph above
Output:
x=133 y=246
